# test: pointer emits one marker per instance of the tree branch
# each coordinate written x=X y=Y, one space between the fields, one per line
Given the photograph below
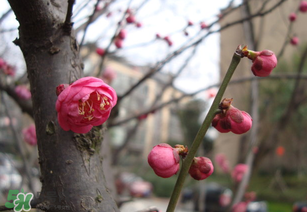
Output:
x=68 y=24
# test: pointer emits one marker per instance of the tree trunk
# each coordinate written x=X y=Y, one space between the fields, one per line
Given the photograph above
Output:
x=71 y=168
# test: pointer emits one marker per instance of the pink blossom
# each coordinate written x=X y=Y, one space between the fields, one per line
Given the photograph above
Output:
x=303 y=6
x=108 y=75
x=118 y=43
x=85 y=103
x=222 y=161
x=292 y=17
x=203 y=25
x=164 y=160
x=231 y=119
x=29 y=135
x=201 y=168
x=100 y=51
x=294 y=41
x=7 y=69
x=168 y=40
x=239 y=171
x=122 y=34
x=239 y=207
x=23 y=92
x=139 y=24
x=130 y=19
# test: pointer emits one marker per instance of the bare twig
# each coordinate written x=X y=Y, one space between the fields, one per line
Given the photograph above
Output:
x=67 y=23
x=235 y=81
x=161 y=64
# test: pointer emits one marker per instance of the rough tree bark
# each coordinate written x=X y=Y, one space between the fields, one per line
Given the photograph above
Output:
x=71 y=171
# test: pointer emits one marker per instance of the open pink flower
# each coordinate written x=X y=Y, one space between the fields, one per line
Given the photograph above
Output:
x=201 y=168
x=85 y=103
x=164 y=160
x=231 y=119
x=23 y=92
x=239 y=171
x=29 y=135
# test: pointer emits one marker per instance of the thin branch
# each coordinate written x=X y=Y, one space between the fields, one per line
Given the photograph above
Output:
x=68 y=24
x=235 y=81
x=5 y=14
x=161 y=64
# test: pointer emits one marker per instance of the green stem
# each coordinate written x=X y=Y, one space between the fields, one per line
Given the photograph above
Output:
x=202 y=131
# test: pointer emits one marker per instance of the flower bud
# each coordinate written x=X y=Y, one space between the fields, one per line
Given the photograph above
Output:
x=239 y=171
x=138 y=24
x=303 y=6
x=294 y=40
x=122 y=34
x=164 y=160
x=292 y=17
x=203 y=25
x=201 y=168
x=60 y=88
x=29 y=135
x=130 y=19
x=100 y=51
x=23 y=92
x=239 y=207
x=264 y=63
x=118 y=43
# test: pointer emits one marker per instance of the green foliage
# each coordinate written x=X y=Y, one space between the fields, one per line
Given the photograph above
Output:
x=279 y=207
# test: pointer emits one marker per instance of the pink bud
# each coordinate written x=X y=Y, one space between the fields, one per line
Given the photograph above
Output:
x=292 y=17
x=190 y=23
x=239 y=171
x=164 y=160
x=60 y=88
x=168 y=40
x=201 y=168
x=241 y=122
x=118 y=43
x=109 y=14
x=239 y=207
x=108 y=75
x=122 y=34
x=100 y=51
x=264 y=63
x=294 y=41
x=139 y=24
x=203 y=25
x=303 y=6
x=130 y=19
x=158 y=35
x=222 y=161
x=23 y=92
x=29 y=135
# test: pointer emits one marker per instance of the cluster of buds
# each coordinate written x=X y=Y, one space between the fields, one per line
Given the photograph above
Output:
x=164 y=160
x=231 y=119
x=130 y=19
x=6 y=68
